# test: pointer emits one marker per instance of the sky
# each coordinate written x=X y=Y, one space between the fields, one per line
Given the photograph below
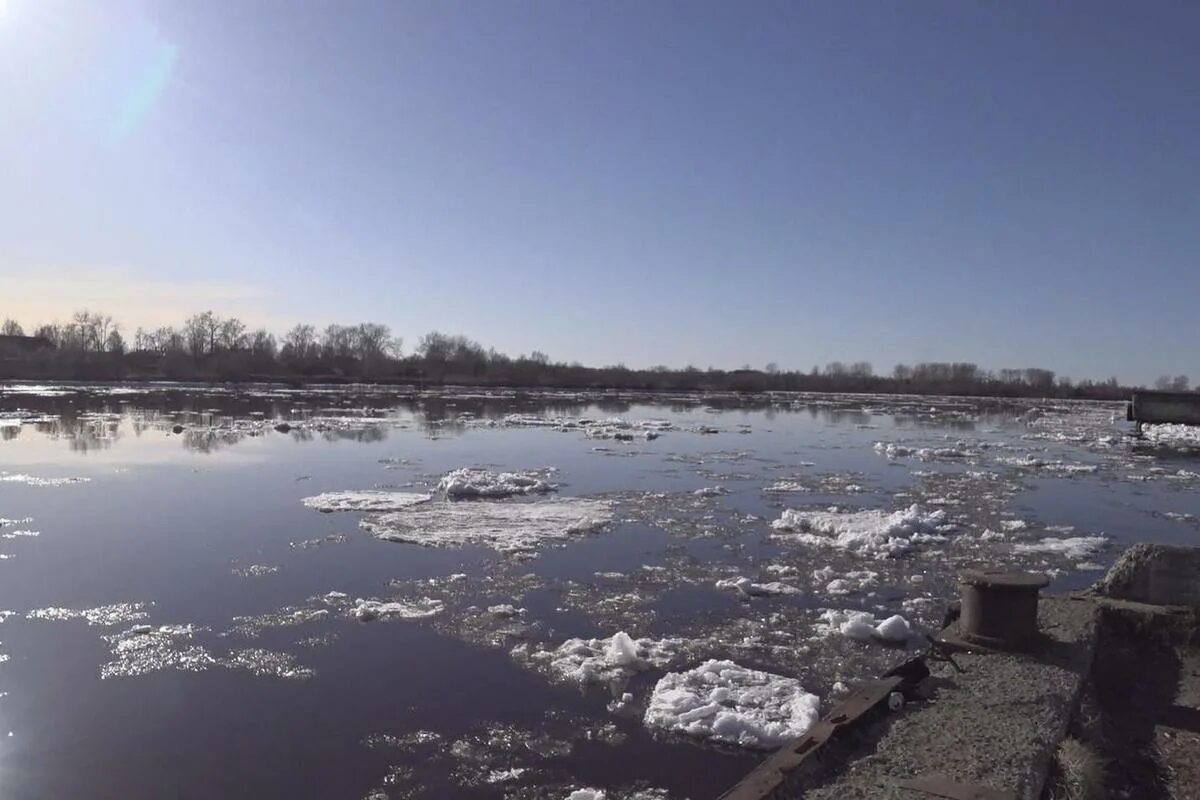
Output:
x=707 y=183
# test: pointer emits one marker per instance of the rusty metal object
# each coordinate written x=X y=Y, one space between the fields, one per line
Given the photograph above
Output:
x=772 y=773
x=939 y=786
x=999 y=609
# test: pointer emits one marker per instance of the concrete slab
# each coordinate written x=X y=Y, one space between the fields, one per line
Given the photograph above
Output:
x=997 y=724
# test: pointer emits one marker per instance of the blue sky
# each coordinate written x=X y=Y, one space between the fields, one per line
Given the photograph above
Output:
x=642 y=182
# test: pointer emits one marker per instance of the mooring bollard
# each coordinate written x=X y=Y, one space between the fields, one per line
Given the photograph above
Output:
x=999 y=609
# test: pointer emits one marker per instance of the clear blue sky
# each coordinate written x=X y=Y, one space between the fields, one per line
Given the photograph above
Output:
x=647 y=182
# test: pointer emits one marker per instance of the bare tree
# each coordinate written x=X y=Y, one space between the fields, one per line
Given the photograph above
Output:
x=232 y=334
x=11 y=327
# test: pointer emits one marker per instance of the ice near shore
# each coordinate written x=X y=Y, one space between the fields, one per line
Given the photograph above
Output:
x=866 y=533
x=862 y=626
x=724 y=702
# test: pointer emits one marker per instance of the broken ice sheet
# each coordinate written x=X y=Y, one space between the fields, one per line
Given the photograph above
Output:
x=144 y=648
x=508 y=527
x=470 y=482
x=363 y=500
x=725 y=702
x=104 y=616
x=868 y=533
x=31 y=480
x=606 y=660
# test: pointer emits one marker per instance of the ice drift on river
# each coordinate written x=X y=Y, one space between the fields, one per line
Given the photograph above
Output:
x=472 y=482
x=862 y=626
x=867 y=533
x=748 y=587
x=1071 y=547
x=368 y=610
x=366 y=500
x=725 y=702
x=507 y=527
x=601 y=660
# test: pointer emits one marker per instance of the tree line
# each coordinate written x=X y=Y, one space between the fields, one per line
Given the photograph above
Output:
x=92 y=346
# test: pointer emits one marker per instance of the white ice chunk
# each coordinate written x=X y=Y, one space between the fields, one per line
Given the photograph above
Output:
x=603 y=660
x=470 y=482
x=867 y=533
x=725 y=702
x=748 y=587
x=31 y=480
x=1076 y=547
x=863 y=626
x=507 y=527
x=368 y=610
x=367 y=500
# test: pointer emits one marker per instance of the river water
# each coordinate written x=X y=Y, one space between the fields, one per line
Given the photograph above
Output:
x=179 y=623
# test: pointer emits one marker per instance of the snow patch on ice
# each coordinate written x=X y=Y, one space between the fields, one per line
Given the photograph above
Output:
x=725 y=702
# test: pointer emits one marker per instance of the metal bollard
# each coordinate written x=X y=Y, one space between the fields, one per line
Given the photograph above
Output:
x=999 y=609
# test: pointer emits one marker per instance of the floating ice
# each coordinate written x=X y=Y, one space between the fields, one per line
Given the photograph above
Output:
x=507 y=527
x=470 y=482
x=725 y=702
x=367 y=500
x=103 y=616
x=19 y=534
x=368 y=610
x=748 y=587
x=144 y=648
x=255 y=570
x=31 y=480
x=266 y=663
x=711 y=491
x=586 y=794
x=1077 y=547
x=868 y=533
x=603 y=660
x=7 y=522
x=864 y=627
x=1173 y=435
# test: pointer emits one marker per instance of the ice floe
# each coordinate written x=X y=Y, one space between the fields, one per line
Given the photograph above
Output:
x=606 y=660
x=144 y=648
x=748 y=587
x=32 y=480
x=103 y=616
x=868 y=533
x=508 y=527
x=364 y=500
x=1076 y=547
x=864 y=627
x=471 y=482
x=725 y=702
x=368 y=610
x=1173 y=435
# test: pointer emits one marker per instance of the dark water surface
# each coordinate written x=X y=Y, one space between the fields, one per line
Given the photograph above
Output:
x=172 y=520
